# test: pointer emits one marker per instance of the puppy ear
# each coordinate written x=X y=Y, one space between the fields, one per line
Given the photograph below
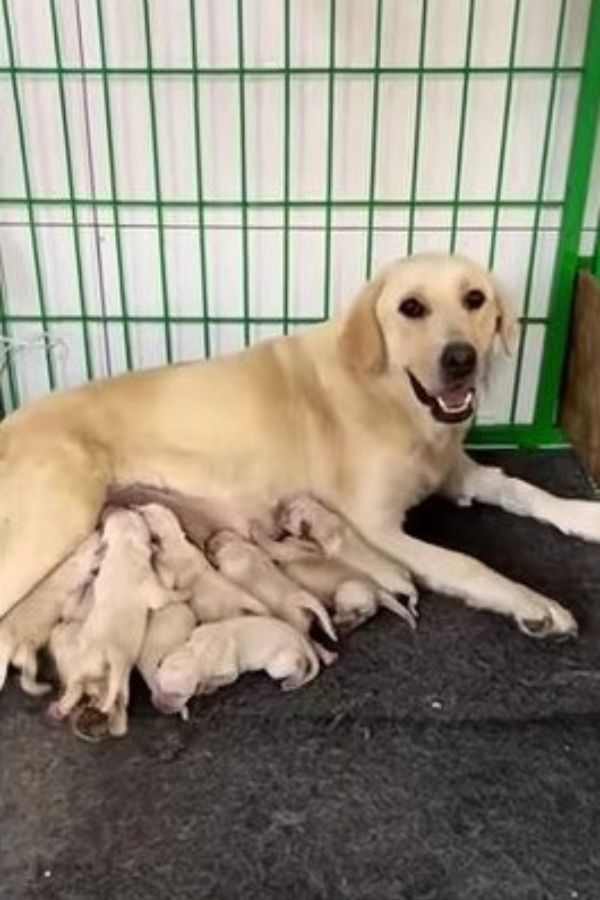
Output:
x=361 y=344
x=506 y=322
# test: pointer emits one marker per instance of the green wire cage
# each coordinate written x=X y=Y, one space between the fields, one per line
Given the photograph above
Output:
x=179 y=178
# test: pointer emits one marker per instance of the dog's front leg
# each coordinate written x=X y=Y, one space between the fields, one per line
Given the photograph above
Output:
x=469 y=481
x=480 y=587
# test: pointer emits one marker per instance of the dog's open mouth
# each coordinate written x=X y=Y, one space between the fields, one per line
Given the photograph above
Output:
x=452 y=405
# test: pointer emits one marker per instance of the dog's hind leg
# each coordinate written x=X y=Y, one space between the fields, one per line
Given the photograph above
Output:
x=50 y=499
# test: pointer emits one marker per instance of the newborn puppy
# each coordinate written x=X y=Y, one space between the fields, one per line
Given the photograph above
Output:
x=180 y=564
x=352 y=596
x=109 y=641
x=251 y=568
x=307 y=518
x=168 y=628
x=216 y=654
x=26 y=628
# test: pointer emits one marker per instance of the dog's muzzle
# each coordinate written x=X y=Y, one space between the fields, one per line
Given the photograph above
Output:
x=451 y=406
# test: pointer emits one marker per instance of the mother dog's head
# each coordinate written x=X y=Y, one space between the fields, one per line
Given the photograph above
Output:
x=432 y=321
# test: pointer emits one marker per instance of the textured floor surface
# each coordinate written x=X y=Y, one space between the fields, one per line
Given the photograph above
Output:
x=461 y=763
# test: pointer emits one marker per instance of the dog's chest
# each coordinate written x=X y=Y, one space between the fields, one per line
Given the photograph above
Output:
x=426 y=468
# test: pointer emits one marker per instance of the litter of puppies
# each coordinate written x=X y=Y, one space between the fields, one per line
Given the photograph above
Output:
x=190 y=617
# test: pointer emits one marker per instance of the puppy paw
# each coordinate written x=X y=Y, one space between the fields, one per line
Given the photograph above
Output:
x=547 y=619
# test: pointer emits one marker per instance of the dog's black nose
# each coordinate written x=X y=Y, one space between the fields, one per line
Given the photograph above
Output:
x=458 y=359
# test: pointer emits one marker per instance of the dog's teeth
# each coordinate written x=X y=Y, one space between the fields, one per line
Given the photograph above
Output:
x=463 y=407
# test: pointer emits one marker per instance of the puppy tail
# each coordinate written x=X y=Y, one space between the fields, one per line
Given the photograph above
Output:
x=5 y=657
x=26 y=660
x=253 y=606
x=388 y=601
x=311 y=604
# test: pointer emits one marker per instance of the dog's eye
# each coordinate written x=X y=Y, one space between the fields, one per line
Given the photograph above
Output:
x=474 y=299
x=412 y=308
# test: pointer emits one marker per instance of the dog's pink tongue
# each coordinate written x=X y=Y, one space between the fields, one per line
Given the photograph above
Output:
x=455 y=397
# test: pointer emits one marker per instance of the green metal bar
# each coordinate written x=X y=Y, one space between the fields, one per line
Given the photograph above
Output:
x=417 y=136
x=243 y=170
x=286 y=167
x=157 y=320
x=374 y=135
x=7 y=365
x=504 y=133
x=28 y=193
x=537 y=214
x=580 y=163
x=164 y=280
x=116 y=205
x=329 y=174
x=89 y=366
x=357 y=202
x=596 y=255
x=461 y=127
x=278 y=71
x=199 y=184
x=526 y=437
x=236 y=320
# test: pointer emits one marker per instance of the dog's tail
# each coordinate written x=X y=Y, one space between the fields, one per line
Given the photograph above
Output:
x=309 y=603
x=6 y=650
x=252 y=606
x=311 y=669
x=388 y=601
x=26 y=660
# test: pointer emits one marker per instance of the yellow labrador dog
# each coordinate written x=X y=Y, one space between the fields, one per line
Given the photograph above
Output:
x=367 y=413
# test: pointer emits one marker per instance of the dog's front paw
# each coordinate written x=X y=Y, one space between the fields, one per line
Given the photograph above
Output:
x=545 y=618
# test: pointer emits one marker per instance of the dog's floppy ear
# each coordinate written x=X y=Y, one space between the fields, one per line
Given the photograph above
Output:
x=506 y=322
x=361 y=342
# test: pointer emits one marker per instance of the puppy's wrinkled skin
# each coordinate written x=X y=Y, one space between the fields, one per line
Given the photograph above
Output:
x=168 y=628
x=107 y=644
x=251 y=568
x=367 y=412
x=183 y=566
x=26 y=628
x=218 y=653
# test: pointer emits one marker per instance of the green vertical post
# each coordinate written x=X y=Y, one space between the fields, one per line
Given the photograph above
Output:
x=243 y=171
x=580 y=163
x=417 y=136
x=112 y=169
x=164 y=280
x=329 y=174
x=41 y=290
x=89 y=368
x=374 y=135
x=462 y=126
x=199 y=183
x=538 y=210
x=286 y=168
x=504 y=133
x=6 y=363
x=596 y=254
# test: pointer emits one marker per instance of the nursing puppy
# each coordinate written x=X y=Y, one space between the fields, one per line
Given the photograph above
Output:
x=27 y=627
x=218 y=653
x=250 y=567
x=107 y=644
x=184 y=567
x=305 y=518
x=168 y=628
